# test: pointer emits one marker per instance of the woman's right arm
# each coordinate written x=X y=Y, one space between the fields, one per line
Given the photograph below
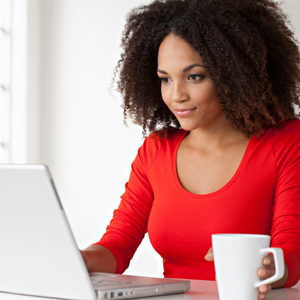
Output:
x=129 y=224
x=99 y=259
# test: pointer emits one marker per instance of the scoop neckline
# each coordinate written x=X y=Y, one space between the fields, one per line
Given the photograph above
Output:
x=209 y=195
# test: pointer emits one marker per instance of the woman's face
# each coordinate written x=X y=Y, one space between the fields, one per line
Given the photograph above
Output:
x=186 y=87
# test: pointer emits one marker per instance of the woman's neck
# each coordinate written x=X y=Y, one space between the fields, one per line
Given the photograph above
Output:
x=214 y=137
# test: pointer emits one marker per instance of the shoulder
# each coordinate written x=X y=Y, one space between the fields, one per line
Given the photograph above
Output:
x=166 y=135
x=287 y=133
x=283 y=141
x=286 y=142
x=290 y=126
x=159 y=141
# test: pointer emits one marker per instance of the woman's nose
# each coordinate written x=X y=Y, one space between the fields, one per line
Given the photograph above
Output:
x=179 y=93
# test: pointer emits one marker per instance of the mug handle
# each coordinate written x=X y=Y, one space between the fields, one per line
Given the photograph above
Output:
x=279 y=265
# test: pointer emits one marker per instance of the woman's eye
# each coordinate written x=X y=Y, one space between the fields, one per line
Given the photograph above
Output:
x=164 y=80
x=196 y=77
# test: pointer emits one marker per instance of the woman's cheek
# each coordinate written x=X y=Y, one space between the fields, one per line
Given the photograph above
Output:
x=165 y=97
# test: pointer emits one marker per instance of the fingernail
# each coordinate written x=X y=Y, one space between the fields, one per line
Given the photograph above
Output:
x=262 y=272
x=267 y=261
x=264 y=289
x=208 y=257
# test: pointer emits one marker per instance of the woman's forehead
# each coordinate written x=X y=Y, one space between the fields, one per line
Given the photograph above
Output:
x=174 y=49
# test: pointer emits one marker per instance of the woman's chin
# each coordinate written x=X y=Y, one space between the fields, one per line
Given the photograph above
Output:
x=187 y=127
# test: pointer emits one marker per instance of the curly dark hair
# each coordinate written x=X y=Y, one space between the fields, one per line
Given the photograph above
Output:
x=251 y=56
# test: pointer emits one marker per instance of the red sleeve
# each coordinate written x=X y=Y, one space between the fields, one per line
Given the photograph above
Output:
x=286 y=210
x=129 y=224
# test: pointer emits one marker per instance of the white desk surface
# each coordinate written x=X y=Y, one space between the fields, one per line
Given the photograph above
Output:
x=200 y=290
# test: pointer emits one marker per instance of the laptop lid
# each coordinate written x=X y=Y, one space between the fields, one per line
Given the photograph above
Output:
x=39 y=255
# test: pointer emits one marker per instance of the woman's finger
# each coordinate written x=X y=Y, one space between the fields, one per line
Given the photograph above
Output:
x=269 y=268
x=263 y=290
x=268 y=261
x=265 y=272
x=210 y=255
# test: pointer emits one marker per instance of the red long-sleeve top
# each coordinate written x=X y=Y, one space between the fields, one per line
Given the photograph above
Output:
x=263 y=197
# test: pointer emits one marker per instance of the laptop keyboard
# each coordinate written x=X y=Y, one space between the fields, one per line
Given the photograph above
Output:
x=104 y=283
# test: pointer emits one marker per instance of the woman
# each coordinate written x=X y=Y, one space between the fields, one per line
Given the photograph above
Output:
x=215 y=82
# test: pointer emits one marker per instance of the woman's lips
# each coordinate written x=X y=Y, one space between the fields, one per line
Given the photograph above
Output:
x=183 y=112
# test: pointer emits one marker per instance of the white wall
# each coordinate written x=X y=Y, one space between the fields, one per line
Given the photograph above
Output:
x=83 y=139
x=81 y=136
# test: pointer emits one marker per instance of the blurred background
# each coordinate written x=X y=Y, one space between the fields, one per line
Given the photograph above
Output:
x=57 y=59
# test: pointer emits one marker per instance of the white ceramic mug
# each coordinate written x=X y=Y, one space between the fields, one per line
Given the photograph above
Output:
x=237 y=258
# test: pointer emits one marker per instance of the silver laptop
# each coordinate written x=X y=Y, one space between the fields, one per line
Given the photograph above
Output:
x=38 y=253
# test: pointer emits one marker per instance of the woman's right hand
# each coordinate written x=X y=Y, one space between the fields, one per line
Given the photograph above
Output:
x=86 y=259
x=99 y=259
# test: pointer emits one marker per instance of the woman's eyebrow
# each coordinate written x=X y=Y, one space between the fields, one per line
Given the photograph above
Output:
x=188 y=68
x=161 y=71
